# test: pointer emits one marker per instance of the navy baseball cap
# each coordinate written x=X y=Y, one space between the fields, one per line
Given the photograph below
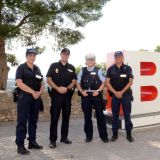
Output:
x=65 y=50
x=31 y=51
x=118 y=53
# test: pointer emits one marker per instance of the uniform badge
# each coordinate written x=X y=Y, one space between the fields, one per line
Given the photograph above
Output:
x=56 y=70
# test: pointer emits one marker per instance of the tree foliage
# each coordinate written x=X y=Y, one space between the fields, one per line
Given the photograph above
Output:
x=157 y=49
x=102 y=66
x=78 y=69
x=11 y=58
x=29 y=19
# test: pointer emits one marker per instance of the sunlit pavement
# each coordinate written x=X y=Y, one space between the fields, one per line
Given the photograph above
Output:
x=146 y=146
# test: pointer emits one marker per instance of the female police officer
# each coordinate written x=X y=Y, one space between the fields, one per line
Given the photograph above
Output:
x=29 y=80
x=119 y=82
x=90 y=84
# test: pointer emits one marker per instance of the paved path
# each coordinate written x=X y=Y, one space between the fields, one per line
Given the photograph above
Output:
x=146 y=146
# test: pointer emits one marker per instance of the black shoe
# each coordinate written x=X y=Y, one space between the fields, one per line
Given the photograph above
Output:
x=88 y=140
x=66 y=141
x=52 y=145
x=130 y=138
x=105 y=140
x=114 y=138
x=34 y=145
x=22 y=150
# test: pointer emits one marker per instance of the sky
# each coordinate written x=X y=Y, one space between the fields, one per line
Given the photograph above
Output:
x=125 y=25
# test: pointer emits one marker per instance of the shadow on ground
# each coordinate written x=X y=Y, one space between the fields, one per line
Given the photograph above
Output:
x=145 y=147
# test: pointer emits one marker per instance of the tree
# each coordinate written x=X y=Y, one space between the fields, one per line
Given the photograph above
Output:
x=28 y=20
x=78 y=69
x=157 y=48
x=143 y=50
x=11 y=58
x=102 y=66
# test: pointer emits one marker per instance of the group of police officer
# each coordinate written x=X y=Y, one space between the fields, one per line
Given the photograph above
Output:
x=62 y=78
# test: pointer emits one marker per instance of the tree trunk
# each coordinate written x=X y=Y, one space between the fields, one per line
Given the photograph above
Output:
x=3 y=65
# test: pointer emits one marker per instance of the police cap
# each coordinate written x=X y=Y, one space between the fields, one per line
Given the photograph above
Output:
x=31 y=51
x=90 y=56
x=118 y=54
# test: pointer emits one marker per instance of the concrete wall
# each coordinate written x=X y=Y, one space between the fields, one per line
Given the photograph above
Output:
x=8 y=107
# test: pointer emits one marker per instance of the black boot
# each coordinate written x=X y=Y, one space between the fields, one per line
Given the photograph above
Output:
x=129 y=137
x=52 y=145
x=105 y=140
x=22 y=150
x=87 y=140
x=114 y=137
x=66 y=141
x=34 y=145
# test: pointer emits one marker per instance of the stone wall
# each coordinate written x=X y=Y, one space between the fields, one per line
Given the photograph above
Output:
x=8 y=107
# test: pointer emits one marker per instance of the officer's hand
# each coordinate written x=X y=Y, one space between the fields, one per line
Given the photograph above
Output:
x=95 y=93
x=84 y=94
x=35 y=96
x=119 y=94
x=38 y=94
x=62 y=90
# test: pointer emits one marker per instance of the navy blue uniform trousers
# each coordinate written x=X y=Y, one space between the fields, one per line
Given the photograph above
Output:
x=126 y=106
x=27 y=117
x=88 y=103
x=60 y=102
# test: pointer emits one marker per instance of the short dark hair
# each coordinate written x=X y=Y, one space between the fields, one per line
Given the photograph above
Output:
x=65 y=50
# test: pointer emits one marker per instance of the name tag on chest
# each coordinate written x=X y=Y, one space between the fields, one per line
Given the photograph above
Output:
x=38 y=76
x=70 y=70
x=123 y=75
x=93 y=73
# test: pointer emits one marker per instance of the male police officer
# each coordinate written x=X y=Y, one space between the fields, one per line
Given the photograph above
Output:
x=61 y=77
x=119 y=81
x=29 y=80
x=90 y=84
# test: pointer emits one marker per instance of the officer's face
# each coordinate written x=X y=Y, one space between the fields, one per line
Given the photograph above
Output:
x=90 y=62
x=31 y=58
x=119 y=59
x=64 y=57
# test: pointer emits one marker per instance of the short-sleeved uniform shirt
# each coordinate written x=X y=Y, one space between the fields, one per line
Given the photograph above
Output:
x=62 y=75
x=31 y=77
x=119 y=77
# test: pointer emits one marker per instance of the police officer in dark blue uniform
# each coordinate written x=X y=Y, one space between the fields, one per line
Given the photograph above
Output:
x=29 y=81
x=119 y=81
x=90 y=84
x=61 y=77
